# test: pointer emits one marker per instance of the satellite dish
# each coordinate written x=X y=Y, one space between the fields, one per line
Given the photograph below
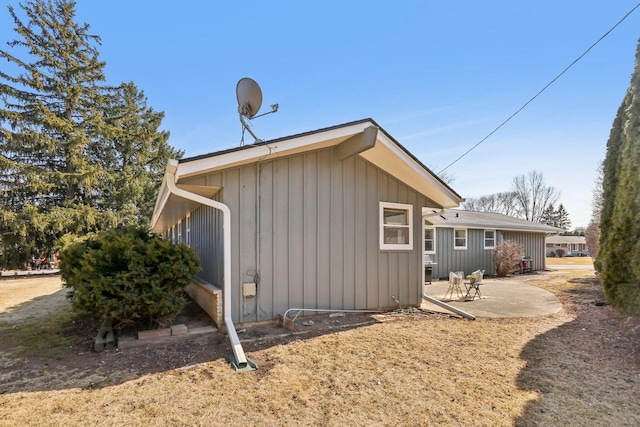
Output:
x=249 y=97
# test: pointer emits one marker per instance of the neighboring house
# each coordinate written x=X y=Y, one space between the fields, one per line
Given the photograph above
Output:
x=329 y=219
x=459 y=240
x=571 y=245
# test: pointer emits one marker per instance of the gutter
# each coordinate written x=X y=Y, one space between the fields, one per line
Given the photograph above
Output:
x=240 y=362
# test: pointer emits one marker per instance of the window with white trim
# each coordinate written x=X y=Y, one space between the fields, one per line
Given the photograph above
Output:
x=188 y=229
x=396 y=226
x=429 y=240
x=179 y=231
x=459 y=238
x=489 y=239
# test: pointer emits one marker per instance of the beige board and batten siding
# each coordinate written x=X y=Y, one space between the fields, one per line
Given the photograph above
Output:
x=316 y=243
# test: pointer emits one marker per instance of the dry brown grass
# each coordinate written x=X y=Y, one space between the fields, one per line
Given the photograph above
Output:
x=577 y=367
x=16 y=291
x=578 y=260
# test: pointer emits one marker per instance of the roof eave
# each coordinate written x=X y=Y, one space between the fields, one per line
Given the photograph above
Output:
x=386 y=154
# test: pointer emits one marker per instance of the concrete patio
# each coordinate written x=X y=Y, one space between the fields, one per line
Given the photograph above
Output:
x=501 y=297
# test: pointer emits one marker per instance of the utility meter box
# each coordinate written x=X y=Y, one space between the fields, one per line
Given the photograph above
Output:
x=248 y=289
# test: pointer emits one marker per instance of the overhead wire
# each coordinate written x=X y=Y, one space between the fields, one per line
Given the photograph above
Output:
x=541 y=90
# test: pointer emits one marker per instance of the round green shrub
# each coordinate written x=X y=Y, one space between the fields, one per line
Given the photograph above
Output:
x=128 y=275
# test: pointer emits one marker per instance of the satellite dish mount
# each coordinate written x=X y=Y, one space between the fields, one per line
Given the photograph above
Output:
x=249 y=97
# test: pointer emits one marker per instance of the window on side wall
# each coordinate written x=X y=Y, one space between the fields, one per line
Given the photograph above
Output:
x=396 y=226
x=188 y=229
x=429 y=240
x=460 y=238
x=489 y=239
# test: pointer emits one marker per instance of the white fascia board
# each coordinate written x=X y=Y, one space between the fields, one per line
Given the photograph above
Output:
x=434 y=220
x=270 y=149
x=488 y=227
x=161 y=201
x=394 y=160
x=169 y=209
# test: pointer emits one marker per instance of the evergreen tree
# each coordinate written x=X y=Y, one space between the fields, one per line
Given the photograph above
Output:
x=617 y=260
x=562 y=218
x=51 y=110
x=76 y=155
x=48 y=120
x=138 y=153
x=548 y=216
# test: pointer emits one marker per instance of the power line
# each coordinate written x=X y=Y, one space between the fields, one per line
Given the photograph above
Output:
x=542 y=90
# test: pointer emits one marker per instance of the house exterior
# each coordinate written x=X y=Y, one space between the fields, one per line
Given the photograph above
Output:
x=459 y=240
x=571 y=245
x=328 y=219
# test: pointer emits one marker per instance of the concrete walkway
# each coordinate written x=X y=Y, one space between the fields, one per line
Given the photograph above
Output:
x=21 y=274
x=504 y=297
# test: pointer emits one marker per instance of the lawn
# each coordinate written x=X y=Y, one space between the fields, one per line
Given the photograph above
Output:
x=577 y=260
x=577 y=367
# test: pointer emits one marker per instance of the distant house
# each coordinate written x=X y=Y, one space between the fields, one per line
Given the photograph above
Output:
x=459 y=240
x=571 y=245
x=329 y=219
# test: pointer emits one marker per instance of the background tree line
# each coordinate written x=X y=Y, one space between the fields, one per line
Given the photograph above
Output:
x=77 y=155
x=530 y=198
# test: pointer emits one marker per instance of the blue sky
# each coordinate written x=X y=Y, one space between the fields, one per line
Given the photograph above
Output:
x=438 y=76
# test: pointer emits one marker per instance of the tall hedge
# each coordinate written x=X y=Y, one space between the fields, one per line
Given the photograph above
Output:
x=128 y=275
x=618 y=259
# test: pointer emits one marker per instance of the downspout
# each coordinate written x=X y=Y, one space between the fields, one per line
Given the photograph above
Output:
x=434 y=300
x=449 y=307
x=258 y=170
x=238 y=352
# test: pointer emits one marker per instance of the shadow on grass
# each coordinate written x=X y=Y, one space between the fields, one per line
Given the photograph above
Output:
x=587 y=371
x=55 y=352
x=591 y=281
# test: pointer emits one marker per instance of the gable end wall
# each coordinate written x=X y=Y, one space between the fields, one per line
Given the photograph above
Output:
x=316 y=242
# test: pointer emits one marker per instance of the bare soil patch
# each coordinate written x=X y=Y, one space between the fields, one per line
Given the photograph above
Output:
x=45 y=346
x=577 y=367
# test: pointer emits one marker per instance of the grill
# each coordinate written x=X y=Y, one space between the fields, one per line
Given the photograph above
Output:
x=428 y=269
x=525 y=264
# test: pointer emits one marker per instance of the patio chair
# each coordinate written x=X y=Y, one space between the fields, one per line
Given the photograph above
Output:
x=475 y=286
x=455 y=280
